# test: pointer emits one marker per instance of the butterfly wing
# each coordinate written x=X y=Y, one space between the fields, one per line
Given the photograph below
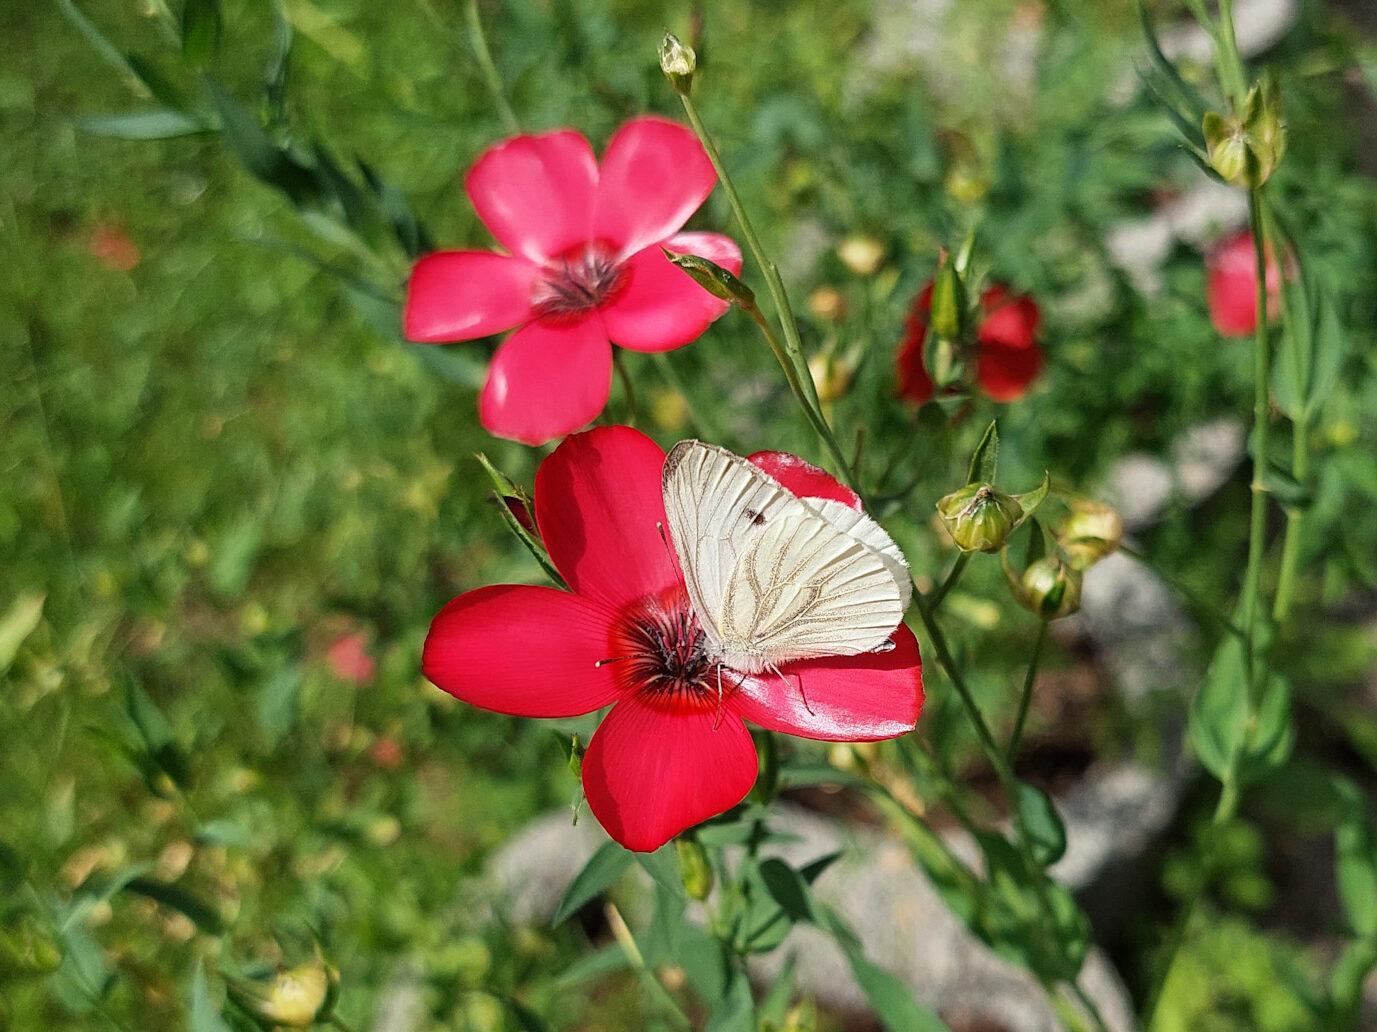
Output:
x=872 y=535
x=804 y=589
x=716 y=504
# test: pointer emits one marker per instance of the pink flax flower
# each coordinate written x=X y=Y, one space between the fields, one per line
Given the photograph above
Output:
x=671 y=753
x=583 y=267
x=1231 y=289
x=1007 y=358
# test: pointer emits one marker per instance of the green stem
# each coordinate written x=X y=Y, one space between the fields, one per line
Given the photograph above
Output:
x=790 y=353
x=957 y=568
x=479 y=41
x=1257 y=528
x=1026 y=698
x=700 y=423
x=632 y=411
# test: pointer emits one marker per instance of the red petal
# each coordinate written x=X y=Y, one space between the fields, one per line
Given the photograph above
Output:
x=654 y=175
x=915 y=384
x=600 y=510
x=1006 y=373
x=527 y=651
x=1009 y=321
x=848 y=698
x=536 y=193
x=463 y=295
x=803 y=479
x=1232 y=287
x=547 y=381
x=661 y=307
x=651 y=773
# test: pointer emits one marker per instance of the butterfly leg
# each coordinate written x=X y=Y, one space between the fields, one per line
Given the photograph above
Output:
x=802 y=694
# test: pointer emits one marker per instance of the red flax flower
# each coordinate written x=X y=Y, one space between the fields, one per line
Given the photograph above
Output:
x=1007 y=359
x=584 y=267
x=1232 y=286
x=670 y=753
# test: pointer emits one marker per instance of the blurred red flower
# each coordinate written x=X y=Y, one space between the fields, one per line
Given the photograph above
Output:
x=1232 y=286
x=670 y=754
x=111 y=246
x=1008 y=358
x=348 y=658
x=584 y=268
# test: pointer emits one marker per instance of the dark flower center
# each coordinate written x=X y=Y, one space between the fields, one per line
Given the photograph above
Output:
x=659 y=651
x=578 y=281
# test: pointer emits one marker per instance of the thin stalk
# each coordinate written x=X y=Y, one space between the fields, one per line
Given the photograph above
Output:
x=1026 y=698
x=1257 y=527
x=479 y=42
x=1188 y=593
x=700 y=423
x=790 y=353
x=632 y=412
x=957 y=568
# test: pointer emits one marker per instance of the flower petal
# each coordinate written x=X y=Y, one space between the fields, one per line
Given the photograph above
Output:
x=463 y=295
x=600 y=512
x=661 y=307
x=915 y=384
x=527 y=651
x=1006 y=373
x=536 y=193
x=546 y=381
x=848 y=698
x=1011 y=321
x=654 y=175
x=651 y=773
x=803 y=479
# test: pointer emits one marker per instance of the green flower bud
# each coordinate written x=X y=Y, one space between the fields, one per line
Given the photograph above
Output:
x=1050 y=588
x=297 y=997
x=719 y=282
x=948 y=314
x=27 y=950
x=1246 y=150
x=694 y=868
x=678 y=62
x=1092 y=531
x=979 y=517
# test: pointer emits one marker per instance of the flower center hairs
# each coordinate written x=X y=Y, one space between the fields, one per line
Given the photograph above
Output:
x=578 y=281
x=659 y=650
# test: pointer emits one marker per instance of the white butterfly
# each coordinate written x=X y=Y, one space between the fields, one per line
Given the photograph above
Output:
x=772 y=577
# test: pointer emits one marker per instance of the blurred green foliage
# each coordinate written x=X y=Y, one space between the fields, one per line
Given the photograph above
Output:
x=219 y=462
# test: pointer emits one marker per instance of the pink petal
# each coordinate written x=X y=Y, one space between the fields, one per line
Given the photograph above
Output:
x=463 y=295
x=536 y=193
x=599 y=508
x=651 y=773
x=1232 y=286
x=654 y=175
x=527 y=651
x=848 y=698
x=803 y=479
x=1005 y=374
x=546 y=381
x=661 y=307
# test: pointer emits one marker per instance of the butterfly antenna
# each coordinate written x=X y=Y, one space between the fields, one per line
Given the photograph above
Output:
x=717 y=717
x=664 y=540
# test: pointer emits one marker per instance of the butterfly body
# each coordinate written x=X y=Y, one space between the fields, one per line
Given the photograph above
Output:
x=771 y=577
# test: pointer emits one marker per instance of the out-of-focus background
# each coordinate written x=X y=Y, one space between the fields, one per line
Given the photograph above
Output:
x=232 y=499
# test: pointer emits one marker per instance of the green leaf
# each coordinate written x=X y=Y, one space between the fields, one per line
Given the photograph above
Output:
x=275 y=706
x=455 y=364
x=20 y=620
x=1219 y=711
x=203 y=1015
x=155 y=733
x=985 y=459
x=1187 y=95
x=1356 y=861
x=1286 y=489
x=1330 y=345
x=787 y=888
x=1046 y=833
x=602 y=869
x=1030 y=500
x=592 y=966
x=153 y=124
x=663 y=866
x=889 y=997
x=201 y=24
x=203 y=914
x=256 y=150
x=734 y=1010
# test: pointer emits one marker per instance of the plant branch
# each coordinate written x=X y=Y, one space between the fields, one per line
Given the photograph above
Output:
x=1026 y=698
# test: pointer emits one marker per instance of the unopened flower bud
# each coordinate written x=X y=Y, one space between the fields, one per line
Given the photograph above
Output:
x=576 y=751
x=948 y=315
x=1245 y=150
x=719 y=282
x=863 y=255
x=295 y=998
x=1050 y=588
x=678 y=62
x=828 y=304
x=979 y=517
x=1092 y=531
x=694 y=868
